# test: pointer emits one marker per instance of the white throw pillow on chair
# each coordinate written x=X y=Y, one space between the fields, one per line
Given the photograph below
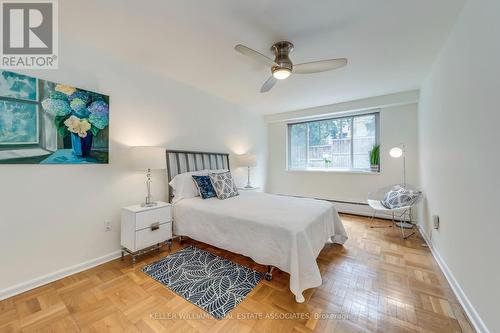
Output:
x=399 y=197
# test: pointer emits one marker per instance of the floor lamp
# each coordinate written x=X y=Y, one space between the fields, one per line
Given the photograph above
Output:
x=397 y=152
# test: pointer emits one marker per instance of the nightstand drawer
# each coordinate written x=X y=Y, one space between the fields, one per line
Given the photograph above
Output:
x=146 y=218
x=151 y=236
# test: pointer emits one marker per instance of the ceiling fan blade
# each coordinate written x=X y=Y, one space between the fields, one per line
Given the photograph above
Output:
x=268 y=84
x=254 y=55
x=319 y=66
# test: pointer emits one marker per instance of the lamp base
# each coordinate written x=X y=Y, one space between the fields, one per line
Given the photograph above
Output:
x=148 y=202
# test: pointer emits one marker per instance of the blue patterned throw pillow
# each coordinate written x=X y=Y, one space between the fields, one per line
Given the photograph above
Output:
x=223 y=184
x=204 y=186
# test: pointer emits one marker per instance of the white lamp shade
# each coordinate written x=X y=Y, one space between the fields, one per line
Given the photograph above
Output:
x=396 y=152
x=247 y=160
x=144 y=158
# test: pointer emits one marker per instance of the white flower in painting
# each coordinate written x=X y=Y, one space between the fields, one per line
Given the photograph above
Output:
x=77 y=126
x=72 y=124
x=84 y=127
x=67 y=90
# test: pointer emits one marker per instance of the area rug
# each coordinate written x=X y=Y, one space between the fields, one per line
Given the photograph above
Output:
x=210 y=282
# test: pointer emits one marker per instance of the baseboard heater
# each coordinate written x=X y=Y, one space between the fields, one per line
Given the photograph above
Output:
x=357 y=208
x=362 y=209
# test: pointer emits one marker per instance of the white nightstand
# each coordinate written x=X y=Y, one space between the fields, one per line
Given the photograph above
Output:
x=145 y=228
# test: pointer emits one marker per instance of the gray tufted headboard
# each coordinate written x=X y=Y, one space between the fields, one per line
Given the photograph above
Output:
x=179 y=161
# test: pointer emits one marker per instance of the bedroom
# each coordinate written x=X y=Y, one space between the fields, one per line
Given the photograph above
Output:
x=167 y=75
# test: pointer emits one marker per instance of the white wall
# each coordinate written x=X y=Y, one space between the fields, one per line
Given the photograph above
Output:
x=459 y=144
x=398 y=119
x=52 y=216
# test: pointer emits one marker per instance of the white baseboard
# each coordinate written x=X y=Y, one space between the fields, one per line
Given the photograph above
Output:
x=40 y=281
x=471 y=312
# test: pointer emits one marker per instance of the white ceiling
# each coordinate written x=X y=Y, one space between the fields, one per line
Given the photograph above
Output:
x=390 y=44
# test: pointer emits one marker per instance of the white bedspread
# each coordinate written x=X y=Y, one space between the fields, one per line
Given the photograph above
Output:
x=285 y=232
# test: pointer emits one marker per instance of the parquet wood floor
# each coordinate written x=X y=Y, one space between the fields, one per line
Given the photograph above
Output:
x=376 y=282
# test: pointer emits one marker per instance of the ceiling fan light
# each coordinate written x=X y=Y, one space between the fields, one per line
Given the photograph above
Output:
x=281 y=73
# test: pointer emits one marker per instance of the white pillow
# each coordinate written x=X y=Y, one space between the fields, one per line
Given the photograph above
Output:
x=399 y=197
x=183 y=184
x=217 y=171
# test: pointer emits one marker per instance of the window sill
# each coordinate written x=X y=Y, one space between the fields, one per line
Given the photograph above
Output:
x=22 y=153
x=363 y=172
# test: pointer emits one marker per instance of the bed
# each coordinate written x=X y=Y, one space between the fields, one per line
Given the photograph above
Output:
x=274 y=230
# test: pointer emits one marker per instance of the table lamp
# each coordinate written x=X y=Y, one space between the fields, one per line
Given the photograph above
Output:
x=147 y=159
x=247 y=160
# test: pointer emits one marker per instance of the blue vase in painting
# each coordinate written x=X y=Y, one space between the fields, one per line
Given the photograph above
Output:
x=81 y=146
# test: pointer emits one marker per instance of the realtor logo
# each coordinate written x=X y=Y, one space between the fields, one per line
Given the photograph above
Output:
x=29 y=34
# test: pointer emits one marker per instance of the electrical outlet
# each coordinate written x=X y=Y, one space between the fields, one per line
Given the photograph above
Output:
x=107 y=226
x=435 y=220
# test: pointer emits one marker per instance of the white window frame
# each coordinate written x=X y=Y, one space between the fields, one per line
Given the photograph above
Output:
x=351 y=116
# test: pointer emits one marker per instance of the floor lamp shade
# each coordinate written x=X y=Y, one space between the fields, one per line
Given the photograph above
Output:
x=396 y=152
x=144 y=158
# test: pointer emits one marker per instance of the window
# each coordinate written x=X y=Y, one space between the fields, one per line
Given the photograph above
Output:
x=19 y=123
x=333 y=144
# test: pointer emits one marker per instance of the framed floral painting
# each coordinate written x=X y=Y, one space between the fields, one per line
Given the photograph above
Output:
x=43 y=122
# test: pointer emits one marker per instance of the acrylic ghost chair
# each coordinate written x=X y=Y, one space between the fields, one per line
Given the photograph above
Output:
x=399 y=215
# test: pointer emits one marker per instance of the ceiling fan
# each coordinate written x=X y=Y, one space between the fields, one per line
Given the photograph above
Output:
x=282 y=66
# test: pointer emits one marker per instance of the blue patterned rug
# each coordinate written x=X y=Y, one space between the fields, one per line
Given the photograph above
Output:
x=212 y=283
